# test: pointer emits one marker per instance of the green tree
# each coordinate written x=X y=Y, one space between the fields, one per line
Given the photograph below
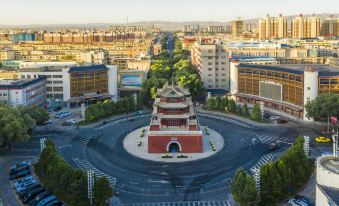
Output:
x=40 y=115
x=224 y=103
x=231 y=106
x=120 y=106
x=243 y=189
x=102 y=191
x=256 y=113
x=246 y=111
x=211 y=103
x=324 y=106
x=15 y=126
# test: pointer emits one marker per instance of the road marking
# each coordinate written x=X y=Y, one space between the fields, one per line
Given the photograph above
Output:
x=263 y=160
x=116 y=122
x=85 y=165
x=226 y=119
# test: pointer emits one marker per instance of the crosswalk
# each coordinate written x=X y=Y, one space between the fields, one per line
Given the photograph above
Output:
x=182 y=203
x=263 y=160
x=267 y=139
x=85 y=165
x=84 y=140
x=121 y=120
x=226 y=119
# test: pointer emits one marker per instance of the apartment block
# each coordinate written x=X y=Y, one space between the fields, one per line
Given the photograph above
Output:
x=273 y=27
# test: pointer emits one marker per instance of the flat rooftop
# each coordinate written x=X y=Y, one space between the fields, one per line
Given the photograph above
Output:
x=323 y=69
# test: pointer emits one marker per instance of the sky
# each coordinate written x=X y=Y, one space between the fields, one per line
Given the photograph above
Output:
x=22 y=12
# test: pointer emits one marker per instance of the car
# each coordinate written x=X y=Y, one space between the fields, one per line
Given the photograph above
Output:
x=273 y=146
x=71 y=121
x=67 y=124
x=46 y=200
x=322 y=139
x=274 y=118
x=39 y=197
x=15 y=183
x=20 y=164
x=24 y=187
x=54 y=203
x=20 y=174
x=28 y=189
x=297 y=202
x=32 y=194
x=303 y=198
x=18 y=169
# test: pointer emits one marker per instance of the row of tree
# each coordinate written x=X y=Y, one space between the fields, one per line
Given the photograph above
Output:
x=108 y=108
x=68 y=184
x=224 y=104
x=278 y=180
x=16 y=123
x=167 y=67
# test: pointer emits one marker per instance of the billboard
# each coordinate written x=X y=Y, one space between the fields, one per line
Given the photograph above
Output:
x=270 y=90
x=131 y=80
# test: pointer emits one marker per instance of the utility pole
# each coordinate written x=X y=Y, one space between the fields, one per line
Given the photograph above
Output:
x=42 y=144
x=90 y=185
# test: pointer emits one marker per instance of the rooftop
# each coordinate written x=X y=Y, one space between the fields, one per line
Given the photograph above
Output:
x=323 y=69
x=100 y=67
x=173 y=91
x=19 y=83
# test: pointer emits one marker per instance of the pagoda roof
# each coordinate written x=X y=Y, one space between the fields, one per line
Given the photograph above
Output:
x=172 y=91
x=172 y=105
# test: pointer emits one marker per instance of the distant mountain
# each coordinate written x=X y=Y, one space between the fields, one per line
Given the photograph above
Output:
x=163 y=25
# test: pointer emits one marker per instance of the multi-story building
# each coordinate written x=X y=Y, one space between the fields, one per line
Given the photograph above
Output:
x=40 y=64
x=237 y=27
x=305 y=27
x=273 y=27
x=212 y=62
x=283 y=87
x=330 y=27
x=174 y=126
x=215 y=29
x=9 y=74
x=90 y=83
x=26 y=92
x=6 y=55
x=327 y=181
x=192 y=28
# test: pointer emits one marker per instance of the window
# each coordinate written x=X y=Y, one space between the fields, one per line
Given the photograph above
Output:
x=209 y=63
x=210 y=57
x=57 y=76
x=308 y=88
x=209 y=69
x=210 y=51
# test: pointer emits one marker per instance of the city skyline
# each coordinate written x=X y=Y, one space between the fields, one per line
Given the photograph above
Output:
x=104 y=11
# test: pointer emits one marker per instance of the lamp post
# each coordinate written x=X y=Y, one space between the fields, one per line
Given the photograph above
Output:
x=257 y=180
x=307 y=146
x=90 y=185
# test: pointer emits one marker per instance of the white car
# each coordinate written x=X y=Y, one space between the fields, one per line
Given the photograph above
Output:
x=72 y=121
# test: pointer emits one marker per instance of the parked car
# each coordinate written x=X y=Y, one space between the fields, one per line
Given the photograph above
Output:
x=24 y=187
x=20 y=164
x=39 y=197
x=303 y=198
x=18 y=169
x=322 y=139
x=266 y=116
x=20 y=174
x=274 y=146
x=46 y=200
x=28 y=189
x=16 y=183
x=72 y=121
x=297 y=202
x=32 y=194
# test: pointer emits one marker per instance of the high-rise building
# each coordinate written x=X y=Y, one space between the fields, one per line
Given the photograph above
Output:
x=273 y=27
x=330 y=27
x=212 y=62
x=237 y=27
x=305 y=27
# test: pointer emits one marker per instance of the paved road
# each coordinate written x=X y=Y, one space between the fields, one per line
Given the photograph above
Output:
x=141 y=181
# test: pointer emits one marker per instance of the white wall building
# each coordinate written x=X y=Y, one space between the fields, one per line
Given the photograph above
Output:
x=36 y=64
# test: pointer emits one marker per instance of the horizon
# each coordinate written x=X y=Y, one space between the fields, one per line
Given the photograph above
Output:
x=40 y=12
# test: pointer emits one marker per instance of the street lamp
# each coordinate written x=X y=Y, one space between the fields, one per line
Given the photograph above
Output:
x=335 y=145
x=42 y=144
x=307 y=146
x=257 y=179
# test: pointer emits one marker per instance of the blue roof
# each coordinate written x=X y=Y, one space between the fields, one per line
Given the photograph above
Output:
x=100 y=67
x=273 y=68
x=22 y=84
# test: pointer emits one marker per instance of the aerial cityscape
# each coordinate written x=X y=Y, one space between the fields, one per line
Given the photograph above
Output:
x=180 y=103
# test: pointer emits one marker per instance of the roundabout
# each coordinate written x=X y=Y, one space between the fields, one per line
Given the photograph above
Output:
x=208 y=178
x=136 y=144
